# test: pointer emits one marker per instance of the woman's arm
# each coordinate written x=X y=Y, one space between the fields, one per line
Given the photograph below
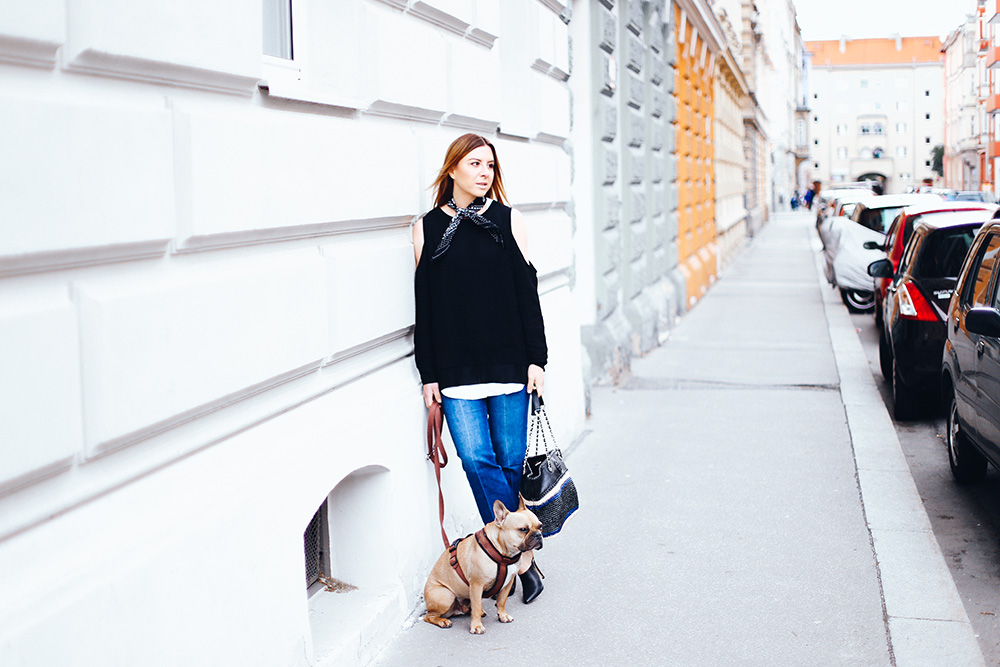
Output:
x=526 y=281
x=418 y=239
x=519 y=230
x=421 y=331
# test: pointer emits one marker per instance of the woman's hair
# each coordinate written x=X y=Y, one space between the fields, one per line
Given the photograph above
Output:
x=465 y=144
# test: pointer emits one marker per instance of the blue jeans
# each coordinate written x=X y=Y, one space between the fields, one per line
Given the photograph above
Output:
x=490 y=435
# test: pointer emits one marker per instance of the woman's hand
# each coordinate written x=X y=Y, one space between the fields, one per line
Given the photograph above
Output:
x=431 y=394
x=536 y=379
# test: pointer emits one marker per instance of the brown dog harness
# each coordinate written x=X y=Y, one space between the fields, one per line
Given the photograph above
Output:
x=495 y=556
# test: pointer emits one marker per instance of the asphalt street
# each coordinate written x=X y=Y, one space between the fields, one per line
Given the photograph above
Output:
x=744 y=501
x=965 y=517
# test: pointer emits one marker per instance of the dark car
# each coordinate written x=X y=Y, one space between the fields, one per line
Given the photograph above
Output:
x=914 y=311
x=971 y=361
x=896 y=239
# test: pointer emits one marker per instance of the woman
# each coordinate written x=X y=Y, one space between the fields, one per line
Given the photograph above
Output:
x=479 y=338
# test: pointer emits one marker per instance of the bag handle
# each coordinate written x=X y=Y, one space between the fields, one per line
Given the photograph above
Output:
x=436 y=453
x=535 y=430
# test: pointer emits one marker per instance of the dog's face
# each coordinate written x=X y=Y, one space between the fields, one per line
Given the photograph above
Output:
x=518 y=531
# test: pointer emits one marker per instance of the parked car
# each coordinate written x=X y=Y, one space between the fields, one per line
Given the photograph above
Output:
x=896 y=239
x=971 y=361
x=971 y=195
x=844 y=239
x=828 y=200
x=914 y=312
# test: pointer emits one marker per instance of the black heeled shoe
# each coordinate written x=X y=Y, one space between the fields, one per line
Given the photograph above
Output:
x=531 y=582
x=513 y=587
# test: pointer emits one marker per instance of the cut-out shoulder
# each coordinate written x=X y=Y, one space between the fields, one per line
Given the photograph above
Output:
x=418 y=239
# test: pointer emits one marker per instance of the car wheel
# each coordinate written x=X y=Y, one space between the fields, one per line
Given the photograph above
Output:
x=858 y=301
x=967 y=464
x=884 y=356
x=903 y=398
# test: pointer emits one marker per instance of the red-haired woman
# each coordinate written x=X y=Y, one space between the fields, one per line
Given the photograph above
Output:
x=479 y=338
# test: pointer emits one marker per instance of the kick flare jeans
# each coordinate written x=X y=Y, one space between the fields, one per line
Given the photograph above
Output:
x=490 y=435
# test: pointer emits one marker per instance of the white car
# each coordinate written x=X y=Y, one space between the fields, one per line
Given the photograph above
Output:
x=844 y=240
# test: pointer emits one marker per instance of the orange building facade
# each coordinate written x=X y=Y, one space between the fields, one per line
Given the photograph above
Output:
x=695 y=91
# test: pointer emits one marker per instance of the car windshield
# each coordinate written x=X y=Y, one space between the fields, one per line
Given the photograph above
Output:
x=944 y=252
x=888 y=215
x=879 y=219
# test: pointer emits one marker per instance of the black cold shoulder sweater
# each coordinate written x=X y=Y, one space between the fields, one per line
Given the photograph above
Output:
x=478 y=317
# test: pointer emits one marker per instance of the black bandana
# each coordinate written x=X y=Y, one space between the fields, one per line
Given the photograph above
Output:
x=470 y=213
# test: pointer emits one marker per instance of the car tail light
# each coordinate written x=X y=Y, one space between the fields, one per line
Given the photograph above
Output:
x=913 y=305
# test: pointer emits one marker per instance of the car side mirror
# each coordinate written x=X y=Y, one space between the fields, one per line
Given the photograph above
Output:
x=881 y=268
x=983 y=321
x=874 y=245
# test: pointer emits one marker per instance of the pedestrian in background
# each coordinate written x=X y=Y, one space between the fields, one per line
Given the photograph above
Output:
x=479 y=339
x=811 y=194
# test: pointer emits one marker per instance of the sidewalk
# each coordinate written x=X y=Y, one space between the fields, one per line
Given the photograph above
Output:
x=744 y=501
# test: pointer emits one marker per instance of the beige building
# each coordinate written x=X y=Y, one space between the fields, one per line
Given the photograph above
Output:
x=730 y=161
x=876 y=109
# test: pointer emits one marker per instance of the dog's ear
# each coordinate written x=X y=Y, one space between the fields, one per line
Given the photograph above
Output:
x=500 y=511
x=520 y=503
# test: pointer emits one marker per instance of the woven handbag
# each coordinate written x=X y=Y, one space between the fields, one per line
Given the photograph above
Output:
x=546 y=486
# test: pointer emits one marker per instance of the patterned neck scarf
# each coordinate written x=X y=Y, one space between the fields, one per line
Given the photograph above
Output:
x=470 y=213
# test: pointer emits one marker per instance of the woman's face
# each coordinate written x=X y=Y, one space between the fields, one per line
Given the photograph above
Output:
x=473 y=175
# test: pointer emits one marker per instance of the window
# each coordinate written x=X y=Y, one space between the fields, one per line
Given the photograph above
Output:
x=878 y=128
x=317 y=540
x=904 y=176
x=900 y=151
x=277 y=33
x=927 y=93
x=866 y=128
x=900 y=106
x=900 y=128
x=982 y=270
x=815 y=142
x=944 y=253
x=864 y=83
x=927 y=163
x=927 y=140
x=842 y=129
x=927 y=116
x=815 y=119
x=877 y=153
x=815 y=165
x=842 y=153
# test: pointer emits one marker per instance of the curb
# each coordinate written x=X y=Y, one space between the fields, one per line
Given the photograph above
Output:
x=926 y=624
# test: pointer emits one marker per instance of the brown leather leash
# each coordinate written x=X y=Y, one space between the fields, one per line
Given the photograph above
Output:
x=437 y=454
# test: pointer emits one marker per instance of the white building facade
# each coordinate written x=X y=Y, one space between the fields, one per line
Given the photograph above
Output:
x=206 y=299
x=877 y=110
x=779 y=86
x=964 y=151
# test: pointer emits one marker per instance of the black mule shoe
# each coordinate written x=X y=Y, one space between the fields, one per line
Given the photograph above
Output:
x=531 y=581
x=513 y=587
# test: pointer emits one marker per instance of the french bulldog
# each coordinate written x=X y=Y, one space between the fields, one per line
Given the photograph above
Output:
x=446 y=594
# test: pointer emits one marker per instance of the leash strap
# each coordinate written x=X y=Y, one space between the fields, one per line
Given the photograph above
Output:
x=437 y=454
